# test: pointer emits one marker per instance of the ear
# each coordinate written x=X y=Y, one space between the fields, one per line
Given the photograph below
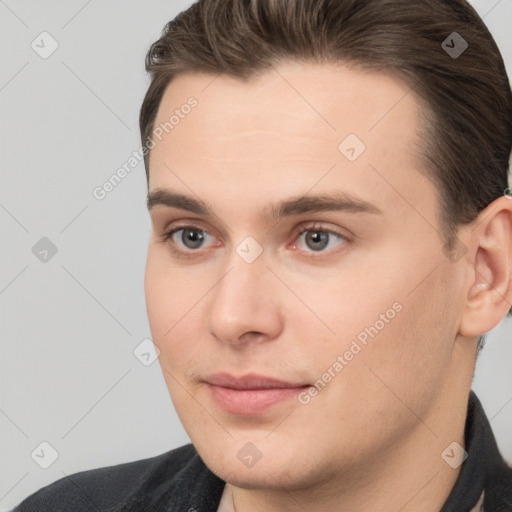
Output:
x=489 y=282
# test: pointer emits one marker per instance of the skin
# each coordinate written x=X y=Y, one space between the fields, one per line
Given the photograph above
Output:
x=372 y=439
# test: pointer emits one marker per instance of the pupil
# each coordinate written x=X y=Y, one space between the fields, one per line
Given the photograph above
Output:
x=317 y=240
x=192 y=238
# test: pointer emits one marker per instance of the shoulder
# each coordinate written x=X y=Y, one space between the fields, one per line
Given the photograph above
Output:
x=498 y=489
x=172 y=477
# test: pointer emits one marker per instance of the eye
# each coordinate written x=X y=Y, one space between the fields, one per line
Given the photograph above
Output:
x=186 y=240
x=189 y=237
x=318 y=239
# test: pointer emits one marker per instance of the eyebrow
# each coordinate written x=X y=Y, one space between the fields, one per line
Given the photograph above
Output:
x=339 y=201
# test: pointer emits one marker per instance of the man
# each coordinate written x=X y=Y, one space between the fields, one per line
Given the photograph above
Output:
x=332 y=237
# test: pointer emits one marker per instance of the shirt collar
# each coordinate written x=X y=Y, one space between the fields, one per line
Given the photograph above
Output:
x=483 y=460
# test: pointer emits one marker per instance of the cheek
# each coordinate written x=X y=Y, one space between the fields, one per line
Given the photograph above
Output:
x=170 y=294
x=392 y=342
x=408 y=362
x=159 y=298
x=167 y=302
x=166 y=298
x=175 y=302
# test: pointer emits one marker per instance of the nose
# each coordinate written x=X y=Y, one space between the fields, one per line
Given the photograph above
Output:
x=244 y=306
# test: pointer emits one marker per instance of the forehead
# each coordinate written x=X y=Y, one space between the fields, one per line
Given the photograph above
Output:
x=291 y=120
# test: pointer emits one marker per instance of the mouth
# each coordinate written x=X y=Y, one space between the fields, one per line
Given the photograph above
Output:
x=250 y=394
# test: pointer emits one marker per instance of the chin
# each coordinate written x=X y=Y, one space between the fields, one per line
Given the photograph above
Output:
x=279 y=466
x=275 y=477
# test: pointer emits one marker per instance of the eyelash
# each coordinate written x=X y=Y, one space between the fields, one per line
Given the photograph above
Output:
x=167 y=237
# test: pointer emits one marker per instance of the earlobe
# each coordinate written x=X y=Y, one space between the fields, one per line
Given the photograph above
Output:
x=489 y=293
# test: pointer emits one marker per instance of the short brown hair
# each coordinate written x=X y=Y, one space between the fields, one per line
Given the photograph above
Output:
x=468 y=115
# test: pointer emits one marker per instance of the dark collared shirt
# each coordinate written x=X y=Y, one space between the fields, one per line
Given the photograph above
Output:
x=178 y=481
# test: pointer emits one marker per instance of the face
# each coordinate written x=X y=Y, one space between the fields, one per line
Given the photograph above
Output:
x=296 y=284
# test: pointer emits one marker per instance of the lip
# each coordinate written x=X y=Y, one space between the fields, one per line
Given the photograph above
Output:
x=250 y=394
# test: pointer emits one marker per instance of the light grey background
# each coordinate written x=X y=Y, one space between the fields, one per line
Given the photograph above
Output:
x=69 y=326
